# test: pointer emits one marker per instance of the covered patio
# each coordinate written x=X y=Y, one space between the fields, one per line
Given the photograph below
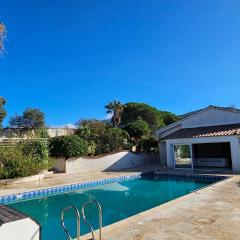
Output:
x=216 y=147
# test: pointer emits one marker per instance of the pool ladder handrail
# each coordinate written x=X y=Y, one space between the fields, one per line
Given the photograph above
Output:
x=99 y=218
x=78 y=222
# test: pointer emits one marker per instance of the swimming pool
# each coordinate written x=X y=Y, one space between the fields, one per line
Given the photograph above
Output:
x=119 y=200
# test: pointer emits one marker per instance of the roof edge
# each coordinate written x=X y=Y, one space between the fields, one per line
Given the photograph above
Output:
x=195 y=114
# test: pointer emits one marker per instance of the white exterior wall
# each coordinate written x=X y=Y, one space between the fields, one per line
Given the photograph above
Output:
x=235 y=152
x=117 y=161
x=234 y=143
x=163 y=153
x=24 y=229
x=211 y=117
x=56 y=132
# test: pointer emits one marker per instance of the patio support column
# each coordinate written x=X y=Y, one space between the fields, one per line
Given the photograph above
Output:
x=235 y=152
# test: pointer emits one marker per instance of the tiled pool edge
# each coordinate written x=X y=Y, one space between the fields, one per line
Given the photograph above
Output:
x=193 y=176
x=94 y=183
x=65 y=188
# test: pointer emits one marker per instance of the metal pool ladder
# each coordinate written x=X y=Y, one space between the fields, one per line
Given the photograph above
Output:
x=99 y=218
x=78 y=222
x=84 y=218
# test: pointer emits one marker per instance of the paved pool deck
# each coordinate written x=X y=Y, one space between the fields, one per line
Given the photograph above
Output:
x=210 y=213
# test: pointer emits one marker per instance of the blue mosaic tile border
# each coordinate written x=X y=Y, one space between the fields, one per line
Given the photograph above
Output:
x=66 y=188
x=94 y=183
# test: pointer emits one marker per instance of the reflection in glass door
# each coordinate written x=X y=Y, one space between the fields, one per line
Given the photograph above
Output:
x=183 y=155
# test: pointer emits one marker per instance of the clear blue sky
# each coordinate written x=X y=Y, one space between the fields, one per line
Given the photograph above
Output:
x=69 y=58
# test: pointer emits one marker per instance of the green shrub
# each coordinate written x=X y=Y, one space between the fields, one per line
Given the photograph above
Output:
x=68 y=146
x=41 y=133
x=92 y=146
x=37 y=149
x=149 y=145
x=127 y=146
x=112 y=140
x=138 y=128
x=90 y=130
x=21 y=160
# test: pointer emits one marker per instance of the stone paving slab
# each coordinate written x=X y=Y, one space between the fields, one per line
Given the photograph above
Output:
x=212 y=213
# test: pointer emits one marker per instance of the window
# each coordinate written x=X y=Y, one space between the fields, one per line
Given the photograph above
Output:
x=183 y=155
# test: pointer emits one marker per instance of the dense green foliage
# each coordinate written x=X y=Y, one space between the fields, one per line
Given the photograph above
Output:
x=133 y=124
x=134 y=110
x=102 y=138
x=137 y=129
x=3 y=112
x=90 y=130
x=68 y=146
x=31 y=118
x=37 y=149
x=151 y=115
x=23 y=159
x=113 y=139
x=169 y=118
x=41 y=133
x=149 y=144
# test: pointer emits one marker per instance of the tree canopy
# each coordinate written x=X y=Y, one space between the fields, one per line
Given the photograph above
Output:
x=151 y=115
x=169 y=118
x=137 y=129
x=31 y=118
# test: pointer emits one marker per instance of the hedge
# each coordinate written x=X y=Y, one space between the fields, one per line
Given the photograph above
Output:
x=68 y=146
x=23 y=159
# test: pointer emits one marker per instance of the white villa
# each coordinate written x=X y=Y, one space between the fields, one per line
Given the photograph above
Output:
x=204 y=139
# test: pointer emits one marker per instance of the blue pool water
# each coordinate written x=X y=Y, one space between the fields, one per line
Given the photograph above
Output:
x=118 y=201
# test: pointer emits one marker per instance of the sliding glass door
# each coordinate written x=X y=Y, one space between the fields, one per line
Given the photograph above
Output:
x=183 y=155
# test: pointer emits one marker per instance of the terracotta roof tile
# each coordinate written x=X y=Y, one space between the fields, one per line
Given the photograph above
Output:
x=211 y=131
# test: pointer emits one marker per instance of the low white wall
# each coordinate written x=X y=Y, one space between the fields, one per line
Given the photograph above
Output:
x=24 y=229
x=116 y=161
x=59 y=164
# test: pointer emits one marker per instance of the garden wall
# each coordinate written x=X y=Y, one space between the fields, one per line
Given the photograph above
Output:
x=117 y=161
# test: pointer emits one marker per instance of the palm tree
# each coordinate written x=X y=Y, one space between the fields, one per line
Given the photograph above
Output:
x=115 y=108
x=2 y=37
